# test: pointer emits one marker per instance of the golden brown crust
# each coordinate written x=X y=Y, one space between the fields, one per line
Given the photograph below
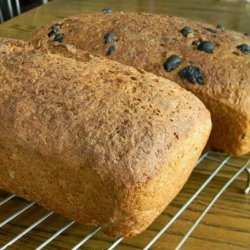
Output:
x=97 y=141
x=8 y=46
x=146 y=41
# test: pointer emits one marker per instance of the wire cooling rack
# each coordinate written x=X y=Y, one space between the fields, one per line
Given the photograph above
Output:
x=210 y=164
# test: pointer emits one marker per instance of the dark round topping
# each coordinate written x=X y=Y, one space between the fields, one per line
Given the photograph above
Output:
x=192 y=74
x=247 y=34
x=196 y=42
x=172 y=63
x=110 y=50
x=58 y=37
x=187 y=30
x=54 y=30
x=244 y=48
x=220 y=27
x=211 y=30
x=207 y=47
x=51 y=33
x=109 y=37
x=107 y=10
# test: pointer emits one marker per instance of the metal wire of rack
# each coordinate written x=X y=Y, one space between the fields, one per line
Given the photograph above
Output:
x=222 y=160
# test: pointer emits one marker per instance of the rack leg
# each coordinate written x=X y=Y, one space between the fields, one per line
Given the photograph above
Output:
x=247 y=189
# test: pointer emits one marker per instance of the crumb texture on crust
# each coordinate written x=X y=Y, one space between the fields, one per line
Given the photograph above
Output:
x=97 y=141
x=8 y=46
x=147 y=40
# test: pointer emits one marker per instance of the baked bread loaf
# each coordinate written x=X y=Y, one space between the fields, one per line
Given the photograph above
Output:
x=211 y=62
x=97 y=141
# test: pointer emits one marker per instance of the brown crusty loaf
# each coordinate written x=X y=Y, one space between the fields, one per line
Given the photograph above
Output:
x=96 y=141
x=146 y=41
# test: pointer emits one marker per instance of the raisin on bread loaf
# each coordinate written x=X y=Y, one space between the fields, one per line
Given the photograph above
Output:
x=211 y=62
x=97 y=141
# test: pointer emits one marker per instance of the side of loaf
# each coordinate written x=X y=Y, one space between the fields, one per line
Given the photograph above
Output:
x=97 y=141
x=211 y=62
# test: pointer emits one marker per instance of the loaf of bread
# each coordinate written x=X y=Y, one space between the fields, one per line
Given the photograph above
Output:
x=97 y=141
x=211 y=62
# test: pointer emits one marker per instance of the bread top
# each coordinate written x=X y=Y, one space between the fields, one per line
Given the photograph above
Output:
x=147 y=40
x=123 y=123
